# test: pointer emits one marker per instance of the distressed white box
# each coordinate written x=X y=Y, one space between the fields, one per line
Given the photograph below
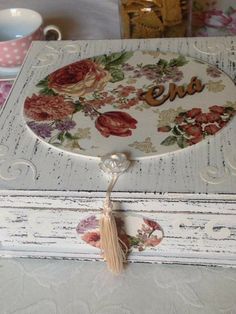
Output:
x=46 y=193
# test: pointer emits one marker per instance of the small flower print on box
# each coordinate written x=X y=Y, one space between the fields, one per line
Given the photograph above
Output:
x=148 y=233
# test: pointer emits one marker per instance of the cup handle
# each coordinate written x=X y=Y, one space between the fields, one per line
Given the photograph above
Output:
x=52 y=28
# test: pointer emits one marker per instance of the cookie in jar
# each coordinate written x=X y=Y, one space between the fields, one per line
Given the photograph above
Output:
x=154 y=18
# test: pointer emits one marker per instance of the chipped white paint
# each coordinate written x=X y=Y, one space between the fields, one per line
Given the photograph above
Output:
x=191 y=193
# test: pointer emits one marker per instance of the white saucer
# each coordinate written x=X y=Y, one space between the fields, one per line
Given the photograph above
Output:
x=8 y=74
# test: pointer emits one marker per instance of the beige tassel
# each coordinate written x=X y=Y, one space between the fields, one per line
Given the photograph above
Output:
x=113 y=249
x=110 y=243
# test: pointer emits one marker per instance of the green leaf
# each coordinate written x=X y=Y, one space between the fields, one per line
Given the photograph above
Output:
x=69 y=136
x=60 y=137
x=182 y=142
x=134 y=241
x=229 y=109
x=117 y=75
x=150 y=66
x=43 y=82
x=162 y=63
x=118 y=58
x=176 y=131
x=78 y=106
x=47 y=91
x=100 y=59
x=183 y=113
x=170 y=140
x=180 y=61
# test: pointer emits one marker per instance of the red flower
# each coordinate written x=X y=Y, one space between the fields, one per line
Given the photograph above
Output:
x=213 y=117
x=124 y=241
x=164 y=129
x=115 y=123
x=217 y=109
x=92 y=238
x=126 y=90
x=79 y=78
x=222 y=123
x=193 y=112
x=43 y=107
x=211 y=129
x=201 y=118
x=194 y=130
x=179 y=119
x=152 y=224
x=195 y=140
x=184 y=127
x=130 y=103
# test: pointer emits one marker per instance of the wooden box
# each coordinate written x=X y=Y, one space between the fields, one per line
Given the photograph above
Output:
x=48 y=196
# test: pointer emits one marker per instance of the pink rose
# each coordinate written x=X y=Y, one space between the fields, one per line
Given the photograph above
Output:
x=92 y=238
x=79 y=78
x=44 y=107
x=152 y=224
x=152 y=241
x=216 y=19
x=115 y=123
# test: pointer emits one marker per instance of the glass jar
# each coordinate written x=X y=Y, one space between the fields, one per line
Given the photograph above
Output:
x=155 y=18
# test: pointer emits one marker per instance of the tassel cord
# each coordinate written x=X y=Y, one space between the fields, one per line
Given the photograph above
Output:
x=107 y=208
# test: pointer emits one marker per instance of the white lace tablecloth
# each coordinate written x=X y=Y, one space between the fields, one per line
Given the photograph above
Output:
x=71 y=287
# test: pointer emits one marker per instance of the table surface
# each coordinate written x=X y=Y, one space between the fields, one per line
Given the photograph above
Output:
x=30 y=286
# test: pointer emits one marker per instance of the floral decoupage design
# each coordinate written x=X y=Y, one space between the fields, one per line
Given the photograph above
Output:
x=108 y=103
x=144 y=234
x=214 y=18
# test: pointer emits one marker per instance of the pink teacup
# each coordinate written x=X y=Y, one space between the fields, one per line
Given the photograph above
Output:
x=18 y=28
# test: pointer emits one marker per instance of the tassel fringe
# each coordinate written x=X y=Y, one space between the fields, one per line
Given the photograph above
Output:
x=112 y=250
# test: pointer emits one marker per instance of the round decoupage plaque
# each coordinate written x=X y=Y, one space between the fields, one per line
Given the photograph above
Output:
x=142 y=103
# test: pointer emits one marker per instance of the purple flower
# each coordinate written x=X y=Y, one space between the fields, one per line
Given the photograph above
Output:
x=127 y=67
x=65 y=125
x=42 y=129
x=87 y=224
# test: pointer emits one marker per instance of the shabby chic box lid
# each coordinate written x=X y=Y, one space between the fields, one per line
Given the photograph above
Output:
x=27 y=163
